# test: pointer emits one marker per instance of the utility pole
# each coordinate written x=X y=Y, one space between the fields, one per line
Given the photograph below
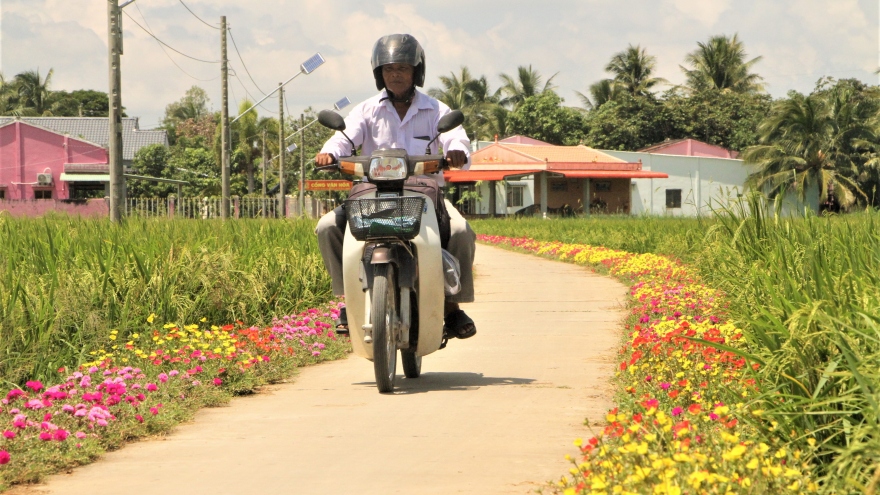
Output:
x=283 y=206
x=264 y=163
x=224 y=119
x=117 y=176
x=302 y=164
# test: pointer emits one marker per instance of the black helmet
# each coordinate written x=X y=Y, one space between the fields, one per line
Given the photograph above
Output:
x=398 y=49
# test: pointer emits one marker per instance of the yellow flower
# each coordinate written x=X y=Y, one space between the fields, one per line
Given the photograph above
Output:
x=151 y=318
x=734 y=453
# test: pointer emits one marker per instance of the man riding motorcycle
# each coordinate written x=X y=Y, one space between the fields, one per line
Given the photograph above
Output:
x=400 y=116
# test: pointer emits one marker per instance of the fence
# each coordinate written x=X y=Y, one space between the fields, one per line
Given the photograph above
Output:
x=205 y=208
x=171 y=207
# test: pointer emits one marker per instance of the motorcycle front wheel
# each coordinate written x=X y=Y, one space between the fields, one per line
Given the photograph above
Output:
x=384 y=316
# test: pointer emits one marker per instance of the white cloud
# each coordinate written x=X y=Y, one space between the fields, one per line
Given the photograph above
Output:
x=708 y=12
x=800 y=41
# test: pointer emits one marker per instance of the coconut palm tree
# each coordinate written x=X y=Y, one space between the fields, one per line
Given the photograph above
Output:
x=600 y=93
x=526 y=83
x=720 y=63
x=473 y=97
x=633 y=70
x=33 y=92
x=811 y=141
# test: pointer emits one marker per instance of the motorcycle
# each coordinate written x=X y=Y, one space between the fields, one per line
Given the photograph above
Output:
x=392 y=260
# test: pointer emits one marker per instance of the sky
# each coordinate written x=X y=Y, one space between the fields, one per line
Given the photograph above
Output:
x=799 y=41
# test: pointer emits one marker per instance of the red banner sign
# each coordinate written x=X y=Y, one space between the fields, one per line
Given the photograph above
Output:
x=328 y=185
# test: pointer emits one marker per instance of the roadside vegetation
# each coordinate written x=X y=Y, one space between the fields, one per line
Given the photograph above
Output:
x=753 y=338
x=114 y=332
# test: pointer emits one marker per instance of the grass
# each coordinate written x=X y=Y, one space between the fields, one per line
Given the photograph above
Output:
x=806 y=293
x=66 y=281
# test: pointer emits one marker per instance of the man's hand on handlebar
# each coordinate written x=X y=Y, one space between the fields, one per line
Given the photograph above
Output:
x=456 y=158
x=324 y=159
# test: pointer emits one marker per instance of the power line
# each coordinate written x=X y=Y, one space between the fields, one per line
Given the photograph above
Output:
x=169 y=56
x=197 y=17
x=235 y=75
x=242 y=62
x=166 y=44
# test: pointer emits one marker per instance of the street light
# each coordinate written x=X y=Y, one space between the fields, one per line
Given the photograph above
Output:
x=306 y=67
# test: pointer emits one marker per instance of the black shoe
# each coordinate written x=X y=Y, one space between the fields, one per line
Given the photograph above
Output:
x=459 y=325
x=342 y=322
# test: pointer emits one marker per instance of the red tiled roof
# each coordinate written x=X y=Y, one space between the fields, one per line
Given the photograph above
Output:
x=476 y=175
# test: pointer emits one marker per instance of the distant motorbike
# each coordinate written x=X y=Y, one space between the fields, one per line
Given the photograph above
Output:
x=392 y=262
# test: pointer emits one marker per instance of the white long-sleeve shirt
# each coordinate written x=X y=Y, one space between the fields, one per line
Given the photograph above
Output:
x=375 y=124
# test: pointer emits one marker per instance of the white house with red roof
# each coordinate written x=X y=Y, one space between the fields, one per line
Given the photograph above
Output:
x=555 y=179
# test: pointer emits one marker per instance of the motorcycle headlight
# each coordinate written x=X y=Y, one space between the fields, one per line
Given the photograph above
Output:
x=387 y=168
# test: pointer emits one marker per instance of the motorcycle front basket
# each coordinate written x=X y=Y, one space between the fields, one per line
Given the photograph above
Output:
x=399 y=216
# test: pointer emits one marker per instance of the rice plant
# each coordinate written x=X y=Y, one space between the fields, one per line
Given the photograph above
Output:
x=66 y=281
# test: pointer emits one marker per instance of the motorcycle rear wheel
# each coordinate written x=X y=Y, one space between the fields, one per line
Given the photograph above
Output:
x=412 y=364
x=384 y=316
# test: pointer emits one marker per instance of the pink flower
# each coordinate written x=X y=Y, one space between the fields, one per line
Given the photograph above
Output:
x=139 y=418
x=4 y=457
x=676 y=411
x=154 y=411
x=151 y=387
x=46 y=436
x=163 y=377
x=665 y=386
x=218 y=382
x=9 y=434
x=79 y=435
x=14 y=393
x=34 y=385
x=60 y=435
x=173 y=373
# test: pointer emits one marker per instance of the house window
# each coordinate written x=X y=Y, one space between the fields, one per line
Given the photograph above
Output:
x=602 y=186
x=3 y=193
x=673 y=198
x=515 y=196
x=42 y=194
x=559 y=185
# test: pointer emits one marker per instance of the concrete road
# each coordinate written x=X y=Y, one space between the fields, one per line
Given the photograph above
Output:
x=494 y=414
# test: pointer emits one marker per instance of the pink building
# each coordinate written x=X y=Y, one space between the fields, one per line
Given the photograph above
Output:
x=689 y=147
x=57 y=157
x=33 y=158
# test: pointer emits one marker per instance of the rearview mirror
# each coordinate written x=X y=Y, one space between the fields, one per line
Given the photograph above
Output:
x=331 y=120
x=450 y=121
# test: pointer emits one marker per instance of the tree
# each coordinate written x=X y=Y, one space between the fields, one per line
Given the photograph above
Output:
x=600 y=93
x=628 y=123
x=33 y=94
x=809 y=141
x=543 y=117
x=193 y=105
x=633 y=70
x=526 y=83
x=721 y=63
x=151 y=161
x=80 y=103
x=471 y=96
x=723 y=118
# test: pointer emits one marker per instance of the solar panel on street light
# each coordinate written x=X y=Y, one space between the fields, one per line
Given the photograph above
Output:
x=344 y=102
x=311 y=64
x=291 y=148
